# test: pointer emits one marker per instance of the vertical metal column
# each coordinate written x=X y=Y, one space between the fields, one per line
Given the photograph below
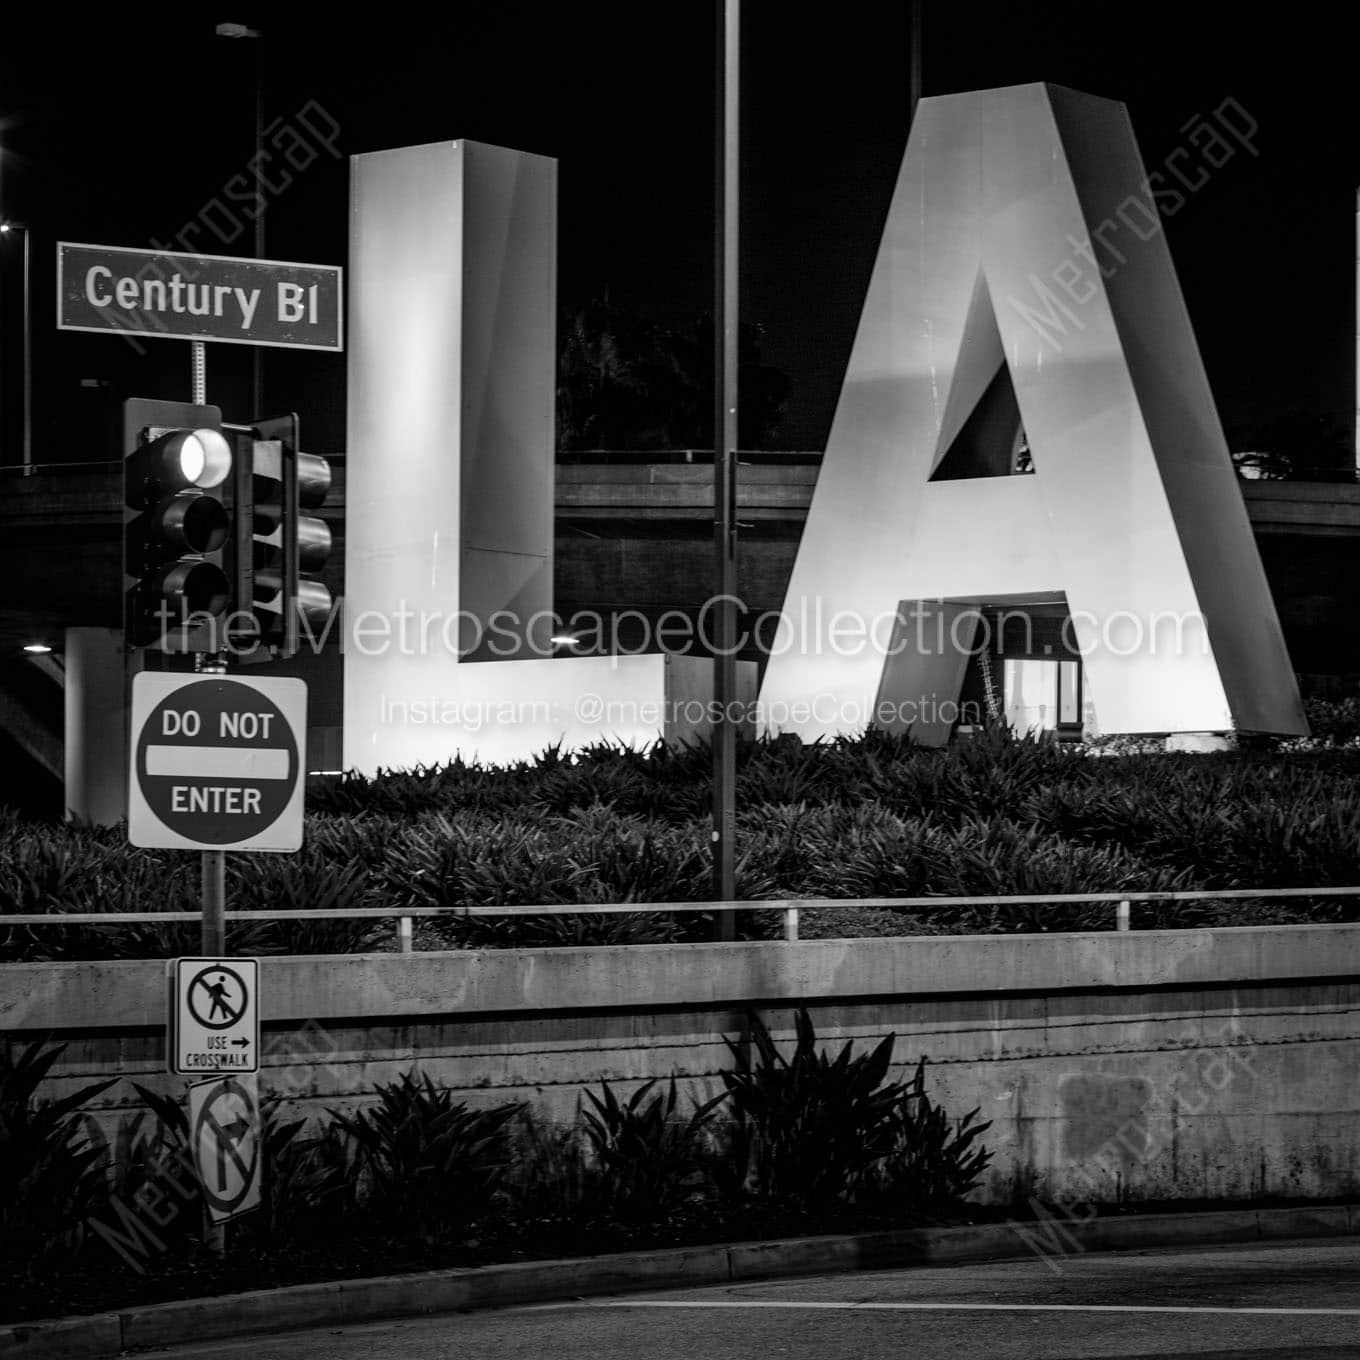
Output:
x=914 y=92
x=257 y=351
x=198 y=373
x=213 y=877
x=727 y=105
x=213 y=883
x=28 y=354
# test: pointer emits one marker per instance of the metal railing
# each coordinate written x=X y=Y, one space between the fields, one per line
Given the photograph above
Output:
x=789 y=908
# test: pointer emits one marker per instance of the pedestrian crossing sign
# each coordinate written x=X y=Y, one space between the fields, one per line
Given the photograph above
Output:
x=213 y=1023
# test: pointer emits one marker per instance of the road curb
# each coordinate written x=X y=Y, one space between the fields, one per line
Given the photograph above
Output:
x=442 y=1291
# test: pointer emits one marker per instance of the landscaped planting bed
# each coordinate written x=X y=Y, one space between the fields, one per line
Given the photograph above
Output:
x=873 y=817
x=795 y=1143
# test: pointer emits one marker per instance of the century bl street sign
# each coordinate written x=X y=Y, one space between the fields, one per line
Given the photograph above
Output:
x=227 y=299
x=216 y=762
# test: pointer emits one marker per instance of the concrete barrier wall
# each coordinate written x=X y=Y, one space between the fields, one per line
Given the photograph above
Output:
x=1147 y=1065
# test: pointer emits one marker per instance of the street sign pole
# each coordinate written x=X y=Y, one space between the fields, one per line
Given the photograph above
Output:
x=213 y=875
x=213 y=863
x=198 y=368
x=213 y=872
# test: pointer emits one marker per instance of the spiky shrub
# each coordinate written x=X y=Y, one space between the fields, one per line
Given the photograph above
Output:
x=650 y=1159
x=934 y=1161
x=309 y=1181
x=52 y=1174
x=310 y=880
x=155 y=1206
x=550 y=1176
x=816 y=1132
x=429 y=1165
x=871 y=817
x=805 y=1130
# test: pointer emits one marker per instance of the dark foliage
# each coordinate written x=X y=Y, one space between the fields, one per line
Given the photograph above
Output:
x=52 y=1174
x=807 y=1129
x=627 y=383
x=428 y=1165
x=875 y=817
x=650 y=1160
x=417 y=1172
x=933 y=1162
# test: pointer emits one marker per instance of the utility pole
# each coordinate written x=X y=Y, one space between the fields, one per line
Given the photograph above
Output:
x=727 y=105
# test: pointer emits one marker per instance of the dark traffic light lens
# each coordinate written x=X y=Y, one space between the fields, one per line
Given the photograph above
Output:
x=192 y=522
x=314 y=543
x=313 y=603
x=313 y=480
x=193 y=587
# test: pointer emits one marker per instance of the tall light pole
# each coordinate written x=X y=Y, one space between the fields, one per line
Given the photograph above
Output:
x=914 y=79
x=254 y=34
x=8 y=229
x=727 y=105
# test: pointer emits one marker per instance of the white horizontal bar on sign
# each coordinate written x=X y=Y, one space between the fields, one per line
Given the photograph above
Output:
x=218 y=762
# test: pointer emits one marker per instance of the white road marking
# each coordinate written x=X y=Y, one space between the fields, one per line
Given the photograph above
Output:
x=955 y=1307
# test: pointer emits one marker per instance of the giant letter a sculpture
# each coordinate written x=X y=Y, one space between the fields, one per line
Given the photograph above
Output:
x=1022 y=246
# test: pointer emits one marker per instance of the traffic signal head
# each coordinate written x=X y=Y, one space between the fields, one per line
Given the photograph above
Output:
x=289 y=549
x=177 y=525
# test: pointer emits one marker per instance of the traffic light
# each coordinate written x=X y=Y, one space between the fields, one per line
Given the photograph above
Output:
x=289 y=549
x=177 y=518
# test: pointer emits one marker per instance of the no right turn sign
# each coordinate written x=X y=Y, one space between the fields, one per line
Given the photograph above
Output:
x=225 y=1138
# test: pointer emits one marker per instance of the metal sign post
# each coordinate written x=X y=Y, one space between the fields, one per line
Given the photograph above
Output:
x=212 y=937
x=213 y=868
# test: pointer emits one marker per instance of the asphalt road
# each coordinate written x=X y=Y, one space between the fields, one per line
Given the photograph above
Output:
x=1290 y=1301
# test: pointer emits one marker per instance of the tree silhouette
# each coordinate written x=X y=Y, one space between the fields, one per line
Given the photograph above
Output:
x=625 y=382
x=1298 y=443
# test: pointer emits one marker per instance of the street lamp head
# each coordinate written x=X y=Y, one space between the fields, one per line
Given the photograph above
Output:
x=237 y=31
x=7 y=226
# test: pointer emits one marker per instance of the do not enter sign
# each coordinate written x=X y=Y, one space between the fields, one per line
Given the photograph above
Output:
x=216 y=762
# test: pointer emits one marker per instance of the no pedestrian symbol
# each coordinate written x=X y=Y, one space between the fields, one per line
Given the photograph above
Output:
x=224 y=1124
x=214 y=1016
x=216 y=762
x=219 y=991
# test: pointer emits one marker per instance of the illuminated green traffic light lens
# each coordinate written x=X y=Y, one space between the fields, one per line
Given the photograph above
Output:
x=204 y=458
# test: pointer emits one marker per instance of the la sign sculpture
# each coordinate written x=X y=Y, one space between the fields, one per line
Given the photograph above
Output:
x=449 y=500
x=1023 y=242
x=987 y=272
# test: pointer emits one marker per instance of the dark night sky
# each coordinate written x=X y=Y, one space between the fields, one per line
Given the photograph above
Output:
x=118 y=129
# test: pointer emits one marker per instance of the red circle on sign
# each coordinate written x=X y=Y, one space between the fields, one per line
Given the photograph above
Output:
x=217 y=762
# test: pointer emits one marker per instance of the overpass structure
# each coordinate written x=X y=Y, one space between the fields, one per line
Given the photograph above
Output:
x=633 y=532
